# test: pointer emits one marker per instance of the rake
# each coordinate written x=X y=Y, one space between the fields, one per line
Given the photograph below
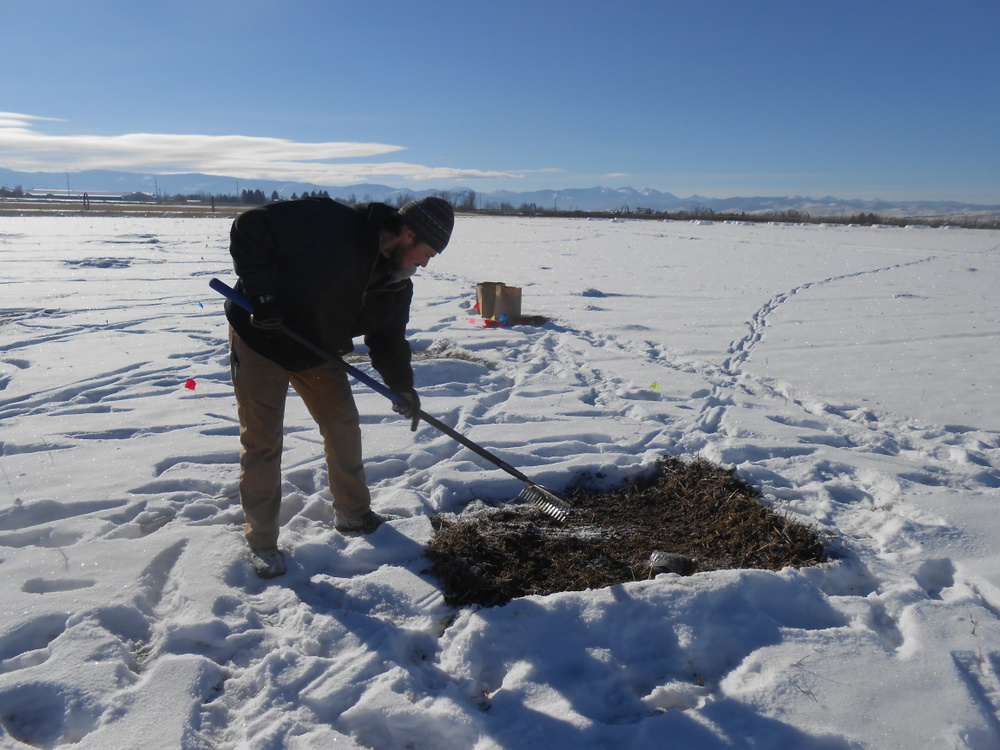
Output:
x=546 y=500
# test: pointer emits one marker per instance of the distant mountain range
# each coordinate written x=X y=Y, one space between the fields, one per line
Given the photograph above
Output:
x=580 y=199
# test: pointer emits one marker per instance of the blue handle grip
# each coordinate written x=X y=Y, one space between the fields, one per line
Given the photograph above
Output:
x=227 y=291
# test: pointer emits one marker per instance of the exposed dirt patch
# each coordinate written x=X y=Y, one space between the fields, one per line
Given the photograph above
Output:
x=685 y=517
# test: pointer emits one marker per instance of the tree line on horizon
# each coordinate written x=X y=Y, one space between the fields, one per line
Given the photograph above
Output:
x=465 y=201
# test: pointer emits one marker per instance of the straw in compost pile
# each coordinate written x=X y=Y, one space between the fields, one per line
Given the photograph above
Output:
x=685 y=517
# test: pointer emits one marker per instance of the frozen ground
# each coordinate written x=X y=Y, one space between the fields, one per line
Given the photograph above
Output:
x=850 y=373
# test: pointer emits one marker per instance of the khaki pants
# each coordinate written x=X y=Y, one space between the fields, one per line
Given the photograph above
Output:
x=261 y=388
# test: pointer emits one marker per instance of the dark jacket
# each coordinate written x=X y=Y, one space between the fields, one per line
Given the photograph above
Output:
x=321 y=260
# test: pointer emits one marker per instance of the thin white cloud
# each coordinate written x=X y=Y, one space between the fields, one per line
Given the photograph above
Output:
x=15 y=120
x=23 y=147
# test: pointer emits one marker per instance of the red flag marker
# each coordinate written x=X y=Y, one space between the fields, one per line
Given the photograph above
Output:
x=190 y=384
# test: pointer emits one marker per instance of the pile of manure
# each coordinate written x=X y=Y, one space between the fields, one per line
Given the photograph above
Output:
x=685 y=517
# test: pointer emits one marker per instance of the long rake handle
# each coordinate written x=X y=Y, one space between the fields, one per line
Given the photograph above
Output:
x=241 y=300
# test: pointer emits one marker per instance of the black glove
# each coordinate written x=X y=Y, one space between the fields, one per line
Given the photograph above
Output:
x=268 y=315
x=411 y=409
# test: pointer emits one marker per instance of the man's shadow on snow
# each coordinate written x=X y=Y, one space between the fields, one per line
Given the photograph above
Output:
x=606 y=661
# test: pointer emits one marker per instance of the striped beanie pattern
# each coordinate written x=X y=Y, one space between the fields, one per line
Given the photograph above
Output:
x=432 y=218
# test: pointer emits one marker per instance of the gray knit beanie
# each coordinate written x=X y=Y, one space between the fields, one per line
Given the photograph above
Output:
x=432 y=218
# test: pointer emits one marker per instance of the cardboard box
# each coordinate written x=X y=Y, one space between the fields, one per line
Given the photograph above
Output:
x=496 y=298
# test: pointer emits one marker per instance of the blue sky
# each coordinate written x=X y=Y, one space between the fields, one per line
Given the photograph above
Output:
x=875 y=99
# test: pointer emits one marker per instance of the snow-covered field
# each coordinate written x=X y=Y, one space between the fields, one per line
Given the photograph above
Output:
x=850 y=373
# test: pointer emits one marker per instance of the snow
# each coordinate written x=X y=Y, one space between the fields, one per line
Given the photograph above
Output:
x=850 y=373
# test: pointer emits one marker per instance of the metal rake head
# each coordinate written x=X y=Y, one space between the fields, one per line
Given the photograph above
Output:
x=545 y=500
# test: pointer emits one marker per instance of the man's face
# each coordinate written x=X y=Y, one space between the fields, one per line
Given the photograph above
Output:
x=407 y=254
x=415 y=252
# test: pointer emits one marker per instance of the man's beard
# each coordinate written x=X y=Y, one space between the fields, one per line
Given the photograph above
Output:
x=399 y=271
